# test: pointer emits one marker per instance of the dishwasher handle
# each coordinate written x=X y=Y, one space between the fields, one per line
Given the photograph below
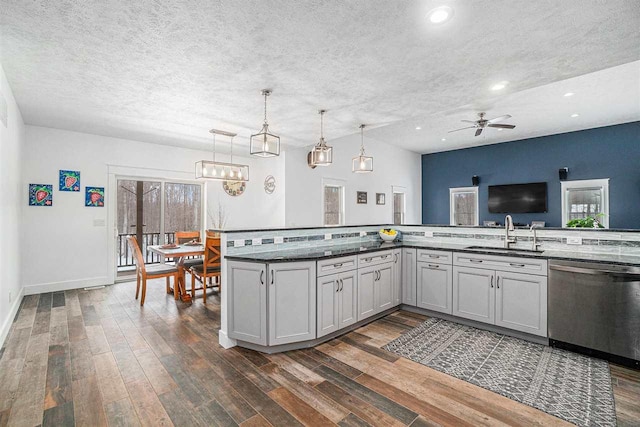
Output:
x=592 y=271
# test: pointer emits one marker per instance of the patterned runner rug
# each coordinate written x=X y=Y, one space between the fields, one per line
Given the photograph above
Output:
x=570 y=386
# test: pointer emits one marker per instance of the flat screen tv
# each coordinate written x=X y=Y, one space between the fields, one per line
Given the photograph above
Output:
x=518 y=198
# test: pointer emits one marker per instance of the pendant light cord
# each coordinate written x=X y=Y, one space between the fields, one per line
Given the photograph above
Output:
x=362 y=140
x=265 y=107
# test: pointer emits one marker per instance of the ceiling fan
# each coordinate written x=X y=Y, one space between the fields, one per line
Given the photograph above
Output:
x=482 y=123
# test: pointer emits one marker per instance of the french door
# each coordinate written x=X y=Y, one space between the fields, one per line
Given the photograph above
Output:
x=153 y=210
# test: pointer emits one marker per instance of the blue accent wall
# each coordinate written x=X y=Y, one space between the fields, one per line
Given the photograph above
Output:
x=609 y=152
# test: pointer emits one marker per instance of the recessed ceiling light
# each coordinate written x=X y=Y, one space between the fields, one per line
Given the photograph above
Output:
x=440 y=15
x=499 y=86
x=568 y=94
x=418 y=128
x=575 y=115
x=443 y=139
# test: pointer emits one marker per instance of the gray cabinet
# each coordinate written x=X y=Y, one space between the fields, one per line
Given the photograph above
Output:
x=367 y=277
x=337 y=302
x=247 y=301
x=397 y=277
x=435 y=287
x=383 y=288
x=292 y=302
x=473 y=294
x=409 y=284
x=521 y=302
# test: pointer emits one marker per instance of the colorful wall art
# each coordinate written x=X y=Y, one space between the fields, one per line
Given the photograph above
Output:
x=69 y=180
x=40 y=195
x=94 y=197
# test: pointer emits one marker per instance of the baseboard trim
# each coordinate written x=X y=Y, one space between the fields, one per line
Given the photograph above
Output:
x=6 y=326
x=66 y=285
x=225 y=341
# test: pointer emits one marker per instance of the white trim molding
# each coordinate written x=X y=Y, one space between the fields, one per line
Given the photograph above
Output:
x=331 y=182
x=601 y=184
x=8 y=321
x=457 y=190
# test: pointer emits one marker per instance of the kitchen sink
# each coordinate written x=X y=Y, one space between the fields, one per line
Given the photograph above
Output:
x=505 y=251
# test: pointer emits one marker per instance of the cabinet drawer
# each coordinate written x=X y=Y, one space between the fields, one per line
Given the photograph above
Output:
x=374 y=258
x=337 y=265
x=512 y=264
x=438 y=257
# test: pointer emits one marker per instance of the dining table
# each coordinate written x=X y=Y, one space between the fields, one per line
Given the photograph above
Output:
x=179 y=253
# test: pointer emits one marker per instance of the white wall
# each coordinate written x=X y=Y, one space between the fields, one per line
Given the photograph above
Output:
x=68 y=246
x=11 y=145
x=392 y=166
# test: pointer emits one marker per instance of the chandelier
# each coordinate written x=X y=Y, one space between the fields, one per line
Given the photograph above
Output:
x=264 y=143
x=322 y=154
x=362 y=163
x=220 y=170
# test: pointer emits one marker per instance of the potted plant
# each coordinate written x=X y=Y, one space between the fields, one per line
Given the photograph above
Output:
x=586 y=222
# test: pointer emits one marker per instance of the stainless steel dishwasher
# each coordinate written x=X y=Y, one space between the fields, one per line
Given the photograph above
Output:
x=594 y=308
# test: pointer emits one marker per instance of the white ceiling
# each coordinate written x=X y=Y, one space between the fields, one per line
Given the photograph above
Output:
x=167 y=71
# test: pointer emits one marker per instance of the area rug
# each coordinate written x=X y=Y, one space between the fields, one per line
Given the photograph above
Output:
x=570 y=386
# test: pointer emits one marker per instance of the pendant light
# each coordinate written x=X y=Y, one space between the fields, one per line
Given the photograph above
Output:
x=222 y=171
x=264 y=143
x=322 y=154
x=362 y=163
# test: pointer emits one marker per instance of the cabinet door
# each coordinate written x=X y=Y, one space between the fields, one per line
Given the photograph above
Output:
x=247 y=301
x=348 y=299
x=435 y=287
x=292 y=302
x=397 y=277
x=474 y=294
x=366 y=295
x=328 y=306
x=521 y=302
x=383 y=287
x=409 y=287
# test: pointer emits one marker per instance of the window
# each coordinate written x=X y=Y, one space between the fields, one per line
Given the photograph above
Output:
x=584 y=198
x=333 y=203
x=463 y=206
x=399 y=204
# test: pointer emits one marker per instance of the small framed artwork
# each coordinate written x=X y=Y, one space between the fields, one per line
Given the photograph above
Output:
x=362 y=198
x=380 y=198
x=69 y=180
x=40 y=195
x=94 y=197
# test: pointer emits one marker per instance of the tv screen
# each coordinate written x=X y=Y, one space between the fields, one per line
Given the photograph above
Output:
x=518 y=198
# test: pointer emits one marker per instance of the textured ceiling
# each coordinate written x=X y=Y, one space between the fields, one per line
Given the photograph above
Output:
x=166 y=71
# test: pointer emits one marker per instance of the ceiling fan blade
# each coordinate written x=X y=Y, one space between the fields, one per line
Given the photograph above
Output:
x=495 y=125
x=467 y=121
x=499 y=119
x=456 y=130
x=479 y=131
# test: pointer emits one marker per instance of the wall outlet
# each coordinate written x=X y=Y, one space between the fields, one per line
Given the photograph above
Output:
x=428 y=234
x=574 y=240
x=278 y=240
x=363 y=233
x=256 y=242
x=327 y=236
x=238 y=243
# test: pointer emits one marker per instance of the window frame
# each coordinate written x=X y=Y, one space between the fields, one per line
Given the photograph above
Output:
x=565 y=186
x=396 y=189
x=327 y=182
x=456 y=190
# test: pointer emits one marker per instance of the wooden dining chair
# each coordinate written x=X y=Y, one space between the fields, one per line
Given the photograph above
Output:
x=182 y=237
x=208 y=269
x=144 y=272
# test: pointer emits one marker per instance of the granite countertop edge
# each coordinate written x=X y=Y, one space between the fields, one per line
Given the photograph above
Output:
x=319 y=254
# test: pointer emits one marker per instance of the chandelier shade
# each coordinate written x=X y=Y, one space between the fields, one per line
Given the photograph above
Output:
x=322 y=154
x=362 y=163
x=221 y=171
x=265 y=143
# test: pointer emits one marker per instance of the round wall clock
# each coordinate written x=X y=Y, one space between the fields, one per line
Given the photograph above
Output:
x=234 y=188
x=269 y=184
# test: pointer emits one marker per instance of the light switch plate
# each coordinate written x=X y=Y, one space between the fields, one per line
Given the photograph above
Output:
x=428 y=234
x=574 y=240
x=327 y=236
x=256 y=242
x=363 y=233
x=278 y=240
x=238 y=243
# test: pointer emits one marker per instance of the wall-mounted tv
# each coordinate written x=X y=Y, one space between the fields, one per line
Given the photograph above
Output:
x=518 y=198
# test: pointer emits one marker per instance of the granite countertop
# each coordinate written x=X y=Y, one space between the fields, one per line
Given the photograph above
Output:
x=325 y=252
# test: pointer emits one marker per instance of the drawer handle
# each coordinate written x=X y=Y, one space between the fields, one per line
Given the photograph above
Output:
x=384 y=257
x=516 y=265
x=338 y=265
x=475 y=260
x=367 y=259
x=433 y=265
x=434 y=256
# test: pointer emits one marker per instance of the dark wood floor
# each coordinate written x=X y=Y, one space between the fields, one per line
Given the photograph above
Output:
x=92 y=358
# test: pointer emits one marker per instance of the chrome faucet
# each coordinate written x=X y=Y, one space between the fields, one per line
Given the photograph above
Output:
x=508 y=226
x=534 y=244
